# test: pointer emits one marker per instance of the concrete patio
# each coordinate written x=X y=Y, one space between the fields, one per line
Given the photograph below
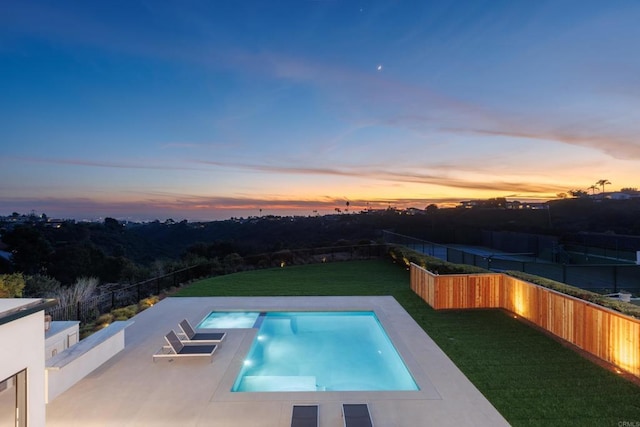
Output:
x=132 y=390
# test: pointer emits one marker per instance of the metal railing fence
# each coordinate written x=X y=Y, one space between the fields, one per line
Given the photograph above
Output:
x=595 y=277
x=123 y=296
x=107 y=300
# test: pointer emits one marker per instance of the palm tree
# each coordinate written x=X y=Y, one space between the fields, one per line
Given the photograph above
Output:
x=593 y=189
x=602 y=183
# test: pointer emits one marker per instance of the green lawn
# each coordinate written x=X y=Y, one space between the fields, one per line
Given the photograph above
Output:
x=530 y=378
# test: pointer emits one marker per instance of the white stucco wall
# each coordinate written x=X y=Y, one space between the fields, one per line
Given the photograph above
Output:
x=22 y=347
x=60 y=336
x=67 y=368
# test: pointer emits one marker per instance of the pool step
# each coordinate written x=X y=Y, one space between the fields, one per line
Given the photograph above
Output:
x=259 y=320
x=278 y=383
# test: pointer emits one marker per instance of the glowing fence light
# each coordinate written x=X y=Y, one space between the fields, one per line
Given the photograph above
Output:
x=625 y=345
x=519 y=300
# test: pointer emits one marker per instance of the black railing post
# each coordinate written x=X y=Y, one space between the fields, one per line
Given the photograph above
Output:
x=138 y=290
x=78 y=311
x=113 y=300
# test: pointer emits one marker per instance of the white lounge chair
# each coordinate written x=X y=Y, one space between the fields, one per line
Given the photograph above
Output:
x=356 y=415
x=177 y=349
x=190 y=334
x=305 y=416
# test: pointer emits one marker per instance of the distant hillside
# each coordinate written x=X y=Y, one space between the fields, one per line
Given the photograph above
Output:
x=112 y=250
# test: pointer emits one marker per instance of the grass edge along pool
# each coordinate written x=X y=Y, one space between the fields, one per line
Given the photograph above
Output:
x=323 y=351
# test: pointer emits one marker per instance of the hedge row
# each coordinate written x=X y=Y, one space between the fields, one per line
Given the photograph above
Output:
x=406 y=256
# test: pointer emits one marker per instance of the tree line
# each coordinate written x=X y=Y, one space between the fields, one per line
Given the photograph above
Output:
x=116 y=252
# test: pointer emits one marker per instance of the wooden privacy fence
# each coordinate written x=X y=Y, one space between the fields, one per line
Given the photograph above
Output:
x=607 y=334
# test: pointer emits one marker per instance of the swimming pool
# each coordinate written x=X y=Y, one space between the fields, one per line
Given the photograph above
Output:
x=322 y=351
x=229 y=320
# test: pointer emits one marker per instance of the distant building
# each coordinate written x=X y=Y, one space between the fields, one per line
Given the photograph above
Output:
x=501 y=203
x=414 y=211
x=618 y=196
x=54 y=223
x=469 y=204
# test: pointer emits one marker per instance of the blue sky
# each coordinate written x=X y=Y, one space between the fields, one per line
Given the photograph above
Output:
x=208 y=109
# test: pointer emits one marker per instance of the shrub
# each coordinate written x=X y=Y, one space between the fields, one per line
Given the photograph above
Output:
x=120 y=314
x=148 y=302
x=233 y=263
x=104 y=319
x=87 y=329
x=623 y=307
x=39 y=286
x=125 y=313
x=11 y=285
x=83 y=289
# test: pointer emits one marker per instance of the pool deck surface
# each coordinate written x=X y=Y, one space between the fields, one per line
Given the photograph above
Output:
x=133 y=390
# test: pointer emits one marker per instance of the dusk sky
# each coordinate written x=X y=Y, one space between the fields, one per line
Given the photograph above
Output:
x=204 y=110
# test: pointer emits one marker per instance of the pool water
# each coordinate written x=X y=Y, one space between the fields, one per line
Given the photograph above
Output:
x=322 y=351
x=229 y=320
